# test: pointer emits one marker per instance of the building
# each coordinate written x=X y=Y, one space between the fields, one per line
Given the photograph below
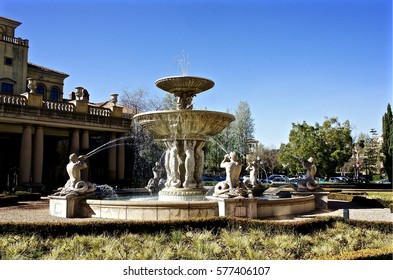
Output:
x=40 y=128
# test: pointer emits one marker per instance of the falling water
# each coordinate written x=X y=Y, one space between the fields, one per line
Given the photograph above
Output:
x=107 y=145
x=219 y=144
x=183 y=62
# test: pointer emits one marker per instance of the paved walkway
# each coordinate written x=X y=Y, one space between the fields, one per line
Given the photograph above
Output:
x=336 y=208
x=38 y=211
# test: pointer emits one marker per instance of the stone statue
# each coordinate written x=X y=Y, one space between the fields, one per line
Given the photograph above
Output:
x=75 y=186
x=253 y=168
x=231 y=187
x=154 y=183
x=184 y=102
x=200 y=159
x=174 y=166
x=167 y=165
x=189 y=147
x=309 y=183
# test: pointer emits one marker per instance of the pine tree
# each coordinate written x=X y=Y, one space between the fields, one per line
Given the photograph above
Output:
x=387 y=145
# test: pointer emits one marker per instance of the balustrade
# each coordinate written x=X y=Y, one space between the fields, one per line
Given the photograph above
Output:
x=103 y=112
x=13 y=99
x=13 y=40
x=55 y=105
x=59 y=106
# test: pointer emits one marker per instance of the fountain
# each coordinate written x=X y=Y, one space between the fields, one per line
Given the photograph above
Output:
x=184 y=132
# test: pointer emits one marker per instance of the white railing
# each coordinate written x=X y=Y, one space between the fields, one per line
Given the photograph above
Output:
x=103 y=112
x=58 y=106
x=13 y=99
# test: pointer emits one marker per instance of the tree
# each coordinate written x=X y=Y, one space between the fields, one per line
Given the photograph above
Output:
x=330 y=144
x=269 y=159
x=232 y=138
x=216 y=147
x=371 y=153
x=140 y=101
x=387 y=144
x=169 y=102
x=243 y=127
x=144 y=149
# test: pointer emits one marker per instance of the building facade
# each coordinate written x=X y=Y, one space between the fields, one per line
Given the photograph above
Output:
x=39 y=128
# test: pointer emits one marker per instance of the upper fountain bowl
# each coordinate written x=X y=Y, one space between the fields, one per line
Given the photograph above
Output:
x=184 y=84
x=184 y=124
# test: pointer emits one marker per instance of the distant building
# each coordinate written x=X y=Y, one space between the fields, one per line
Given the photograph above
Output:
x=39 y=128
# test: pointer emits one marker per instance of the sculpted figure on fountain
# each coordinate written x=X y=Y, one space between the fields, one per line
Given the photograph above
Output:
x=231 y=187
x=189 y=146
x=199 y=162
x=309 y=183
x=75 y=186
x=174 y=165
x=154 y=183
x=253 y=168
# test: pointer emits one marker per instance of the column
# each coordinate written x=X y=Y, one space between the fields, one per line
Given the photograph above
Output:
x=112 y=159
x=25 y=155
x=120 y=159
x=74 y=145
x=84 y=150
x=38 y=154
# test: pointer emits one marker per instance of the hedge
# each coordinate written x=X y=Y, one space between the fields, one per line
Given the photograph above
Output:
x=8 y=200
x=359 y=198
x=384 y=253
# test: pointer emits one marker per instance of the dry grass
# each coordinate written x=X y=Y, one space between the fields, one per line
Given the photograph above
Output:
x=224 y=244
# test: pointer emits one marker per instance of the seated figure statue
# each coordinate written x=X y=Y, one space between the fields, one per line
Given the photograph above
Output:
x=231 y=187
x=154 y=185
x=75 y=186
x=309 y=183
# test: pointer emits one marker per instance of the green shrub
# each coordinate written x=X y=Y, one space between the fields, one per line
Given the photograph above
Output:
x=27 y=196
x=8 y=200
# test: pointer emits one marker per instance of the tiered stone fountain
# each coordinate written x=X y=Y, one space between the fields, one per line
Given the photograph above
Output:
x=184 y=132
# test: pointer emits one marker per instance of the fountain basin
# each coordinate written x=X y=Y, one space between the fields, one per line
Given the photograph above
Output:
x=184 y=84
x=172 y=210
x=184 y=124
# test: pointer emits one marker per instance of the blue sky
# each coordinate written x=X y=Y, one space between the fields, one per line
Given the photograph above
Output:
x=292 y=61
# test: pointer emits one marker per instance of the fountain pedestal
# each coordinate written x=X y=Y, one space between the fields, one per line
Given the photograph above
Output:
x=236 y=207
x=69 y=206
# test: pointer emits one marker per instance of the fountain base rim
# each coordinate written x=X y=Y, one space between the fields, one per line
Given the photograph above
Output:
x=182 y=194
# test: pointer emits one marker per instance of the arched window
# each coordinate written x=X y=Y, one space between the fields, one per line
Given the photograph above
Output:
x=7 y=86
x=40 y=89
x=54 y=93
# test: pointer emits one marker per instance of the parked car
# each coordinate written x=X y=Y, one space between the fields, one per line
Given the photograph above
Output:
x=265 y=181
x=278 y=178
x=383 y=181
x=344 y=178
x=361 y=179
x=294 y=181
x=336 y=180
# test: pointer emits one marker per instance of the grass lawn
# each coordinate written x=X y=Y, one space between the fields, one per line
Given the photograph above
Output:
x=257 y=240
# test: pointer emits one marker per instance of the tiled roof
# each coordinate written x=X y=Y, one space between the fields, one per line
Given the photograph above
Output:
x=15 y=21
x=45 y=69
